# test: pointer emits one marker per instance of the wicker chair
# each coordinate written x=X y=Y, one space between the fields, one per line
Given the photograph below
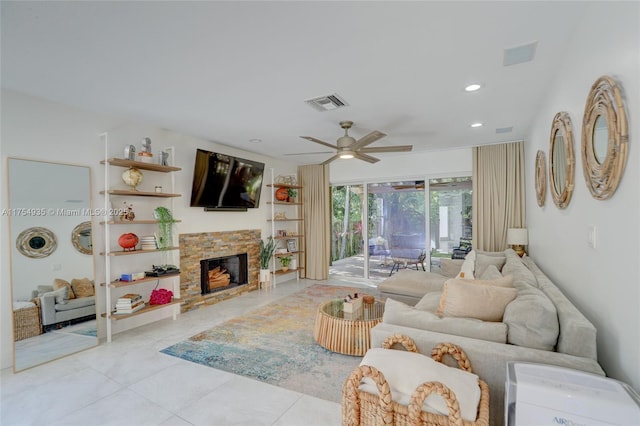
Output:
x=363 y=408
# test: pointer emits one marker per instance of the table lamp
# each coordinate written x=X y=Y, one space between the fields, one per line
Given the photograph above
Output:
x=517 y=238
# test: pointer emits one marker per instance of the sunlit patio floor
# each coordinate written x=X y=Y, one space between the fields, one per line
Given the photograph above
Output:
x=379 y=270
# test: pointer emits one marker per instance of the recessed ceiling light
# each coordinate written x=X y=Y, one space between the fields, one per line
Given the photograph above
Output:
x=472 y=87
x=476 y=125
x=255 y=140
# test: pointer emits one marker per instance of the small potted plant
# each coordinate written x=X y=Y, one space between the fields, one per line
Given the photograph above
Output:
x=266 y=253
x=291 y=195
x=285 y=261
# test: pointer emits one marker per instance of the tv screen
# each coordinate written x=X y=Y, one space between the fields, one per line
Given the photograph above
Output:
x=225 y=182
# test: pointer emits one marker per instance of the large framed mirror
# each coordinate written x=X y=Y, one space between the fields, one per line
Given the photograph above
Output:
x=605 y=138
x=561 y=160
x=52 y=280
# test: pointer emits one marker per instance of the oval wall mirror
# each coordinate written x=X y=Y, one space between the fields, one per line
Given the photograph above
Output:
x=605 y=138
x=541 y=178
x=561 y=160
x=36 y=242
x=81 y=238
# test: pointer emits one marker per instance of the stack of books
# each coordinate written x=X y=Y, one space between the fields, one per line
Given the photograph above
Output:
x=148 y=242
x=129 y=303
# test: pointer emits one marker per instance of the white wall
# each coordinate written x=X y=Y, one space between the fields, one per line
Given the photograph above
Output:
x=37 y=129
x=604 y=282
x=418 y=165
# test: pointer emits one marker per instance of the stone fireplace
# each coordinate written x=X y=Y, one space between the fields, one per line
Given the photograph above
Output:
x=198 y=247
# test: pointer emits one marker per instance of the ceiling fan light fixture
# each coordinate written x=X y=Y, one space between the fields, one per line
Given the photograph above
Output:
x=346 y=155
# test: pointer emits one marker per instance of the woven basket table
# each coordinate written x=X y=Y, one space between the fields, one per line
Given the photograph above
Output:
x=363 y=408
x=27 y=322
x=343 y=332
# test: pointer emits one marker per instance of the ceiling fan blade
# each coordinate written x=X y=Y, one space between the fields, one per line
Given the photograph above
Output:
x=367 y=139
x=399 y=148
x=312 y=139
x=335 y=157
x=310 y=153
x=365 y=157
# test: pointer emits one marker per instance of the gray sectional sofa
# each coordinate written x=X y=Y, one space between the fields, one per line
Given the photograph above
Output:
x=540 y=325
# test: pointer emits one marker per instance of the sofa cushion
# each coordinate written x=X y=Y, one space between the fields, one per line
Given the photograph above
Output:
x=491 y=273
x=412 y=283
x=506 y=281
x=405 y=371
x=58 y=283
x=532 y=317
x=450 y=267
x=461 y=298
x=80 y=302
x=402 y=314
x=60 y=295
x=483 y=262
x=82 y=287
x=429 y=302
x=577 y=335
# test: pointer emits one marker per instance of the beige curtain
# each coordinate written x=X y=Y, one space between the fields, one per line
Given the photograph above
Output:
x=498 y=194
x=317 y=221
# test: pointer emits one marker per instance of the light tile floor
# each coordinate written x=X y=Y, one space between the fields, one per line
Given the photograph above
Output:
x=129 y=382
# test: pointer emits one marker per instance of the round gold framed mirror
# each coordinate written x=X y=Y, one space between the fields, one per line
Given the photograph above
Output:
x=81 y=238
x=541 y=178
x=605 y=138
x=36 y=242
x=561 y=160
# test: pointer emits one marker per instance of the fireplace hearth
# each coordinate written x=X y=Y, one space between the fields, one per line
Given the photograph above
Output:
x=222 y=273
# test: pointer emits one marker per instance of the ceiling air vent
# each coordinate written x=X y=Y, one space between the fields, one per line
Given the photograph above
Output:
x=327 y=103
x=504 y=129
x=519 y=54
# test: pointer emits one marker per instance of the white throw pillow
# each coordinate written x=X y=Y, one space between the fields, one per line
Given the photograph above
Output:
x=462 y=298
x=468 y=266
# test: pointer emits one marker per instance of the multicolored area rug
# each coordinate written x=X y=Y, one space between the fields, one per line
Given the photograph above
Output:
x=275 y=344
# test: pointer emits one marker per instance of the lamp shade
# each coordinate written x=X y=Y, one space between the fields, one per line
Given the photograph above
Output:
x=517 y=236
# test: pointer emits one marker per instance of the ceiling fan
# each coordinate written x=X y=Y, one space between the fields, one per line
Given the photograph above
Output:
x=348 y=147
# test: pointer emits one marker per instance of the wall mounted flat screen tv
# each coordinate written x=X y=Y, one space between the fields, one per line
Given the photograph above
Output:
x=225 y=182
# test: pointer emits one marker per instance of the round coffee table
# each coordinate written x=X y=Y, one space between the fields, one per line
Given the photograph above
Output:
x=346 y=333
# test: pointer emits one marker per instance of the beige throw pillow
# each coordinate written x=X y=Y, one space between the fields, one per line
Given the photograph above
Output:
x=467 y=299
x=82 y=287
x=59 y=283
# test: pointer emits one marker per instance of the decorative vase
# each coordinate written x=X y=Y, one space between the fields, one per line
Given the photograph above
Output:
x=265 y=275
x=294 y=264
x=285 y=268
x=128 y=241
x=282 y=194
x=132 y=177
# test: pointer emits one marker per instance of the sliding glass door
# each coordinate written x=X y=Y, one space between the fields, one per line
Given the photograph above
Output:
x=347 y=256
x=397 y=224
x=367 y=237
x=450 y=215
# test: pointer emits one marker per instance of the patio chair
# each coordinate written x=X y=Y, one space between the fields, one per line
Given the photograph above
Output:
x=406 y=257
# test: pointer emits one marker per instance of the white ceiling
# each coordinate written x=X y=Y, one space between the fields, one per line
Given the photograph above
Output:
x=234 y=71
